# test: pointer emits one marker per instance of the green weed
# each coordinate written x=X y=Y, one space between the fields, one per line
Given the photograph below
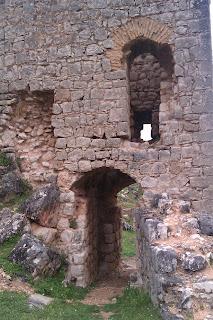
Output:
x=5 y=161
x=128 y=244
x=5 y=249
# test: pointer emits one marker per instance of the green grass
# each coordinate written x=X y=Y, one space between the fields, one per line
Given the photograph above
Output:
x=129 y=197
x=54 y=287
x=51 y=285
x=15 y=202
x=9 y=267
x=14 y=306
x=134 y=305
x=128 y=244
x=5 y=161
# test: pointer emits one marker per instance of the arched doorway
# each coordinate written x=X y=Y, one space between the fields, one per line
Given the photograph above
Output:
x=96 y=198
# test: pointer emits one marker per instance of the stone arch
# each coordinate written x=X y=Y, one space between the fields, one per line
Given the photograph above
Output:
x=96 y=207
x=140 y=27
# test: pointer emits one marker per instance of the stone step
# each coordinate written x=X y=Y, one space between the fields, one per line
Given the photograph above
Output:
x=39 y=301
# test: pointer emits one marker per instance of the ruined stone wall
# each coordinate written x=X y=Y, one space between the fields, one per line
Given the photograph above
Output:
x=91 y=104
x=27 y=130
x=79 y=51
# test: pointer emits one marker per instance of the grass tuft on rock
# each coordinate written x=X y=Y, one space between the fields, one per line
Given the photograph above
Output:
x=5 y=161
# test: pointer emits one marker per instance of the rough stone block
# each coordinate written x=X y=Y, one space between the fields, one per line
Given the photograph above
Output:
x=204 y=286
x=11 y=223
x=41 y=206
x=192 y=262
x=205 y=221
x=47 y=235
x=108 y=228
x=67 y=236
x=11 y=184
x=117 y=115
x=165 y=259
x=93 y=49
x=39 y=301
x=206 y=122
x=35 y=257
x=84 y=165
x=150 y=229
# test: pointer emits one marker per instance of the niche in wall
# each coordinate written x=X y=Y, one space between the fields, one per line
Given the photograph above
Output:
x=149 y=64
x=34 y=137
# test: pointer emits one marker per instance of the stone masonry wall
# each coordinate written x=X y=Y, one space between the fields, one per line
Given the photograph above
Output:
x=79 y=51
x=27 y=129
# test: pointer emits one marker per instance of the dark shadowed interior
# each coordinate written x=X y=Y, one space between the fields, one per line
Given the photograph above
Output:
x=96 y=193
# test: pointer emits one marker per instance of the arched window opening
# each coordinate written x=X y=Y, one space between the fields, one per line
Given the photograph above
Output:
x=149 y=65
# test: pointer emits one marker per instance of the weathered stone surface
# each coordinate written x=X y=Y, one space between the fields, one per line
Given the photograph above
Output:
x=11 y=223
x=11 y=184
x=205 y=222
x=164 y=203
x=41 y=206
x=39 y=301
x=47 y=235
x=192 y=262
x=184 y=207
x=35 y=257
x=186 y=299
x=204 y=286
x=165 y=259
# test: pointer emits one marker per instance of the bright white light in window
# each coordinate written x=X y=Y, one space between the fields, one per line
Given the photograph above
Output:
x=146 y=132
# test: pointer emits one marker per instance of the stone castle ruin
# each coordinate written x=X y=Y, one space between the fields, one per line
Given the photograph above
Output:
x=79 y=80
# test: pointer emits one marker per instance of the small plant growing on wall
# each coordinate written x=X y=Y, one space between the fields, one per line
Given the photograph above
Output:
x=73 y=224
x=5 y=161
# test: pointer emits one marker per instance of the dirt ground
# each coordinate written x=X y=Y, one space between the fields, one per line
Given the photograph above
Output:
x=9 y=284
x=110 y=287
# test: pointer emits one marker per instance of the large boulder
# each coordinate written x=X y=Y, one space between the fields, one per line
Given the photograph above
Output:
x=11 y=184
x=41 y=206
x=35 y=257
x=11 y=223
x=205 y=222
x=193 y=262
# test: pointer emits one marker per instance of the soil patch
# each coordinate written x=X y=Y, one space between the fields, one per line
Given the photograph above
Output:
x=110 y=287
x=9 y=284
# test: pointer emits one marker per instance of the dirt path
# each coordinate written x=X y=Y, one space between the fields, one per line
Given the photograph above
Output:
x=107 y=289
x=8 y=284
